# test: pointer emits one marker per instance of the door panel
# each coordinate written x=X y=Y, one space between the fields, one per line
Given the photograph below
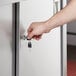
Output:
x=5 y=2
x=43 y=59
x=6 y=40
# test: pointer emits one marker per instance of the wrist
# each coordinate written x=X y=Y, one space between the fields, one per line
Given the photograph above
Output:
x=48 y=26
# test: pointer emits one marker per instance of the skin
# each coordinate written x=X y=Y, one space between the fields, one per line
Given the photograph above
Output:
x=66 y=15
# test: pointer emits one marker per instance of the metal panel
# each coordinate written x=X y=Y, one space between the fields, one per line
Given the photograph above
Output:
x=6 y=40
x=63 y=44
x=5 y=2
x=43 y=59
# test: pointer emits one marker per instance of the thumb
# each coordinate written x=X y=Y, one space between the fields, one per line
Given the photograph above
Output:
x=30 y=35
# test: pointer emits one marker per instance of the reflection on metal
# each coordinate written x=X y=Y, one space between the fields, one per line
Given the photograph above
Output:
x=63 y=44
x=55 y=6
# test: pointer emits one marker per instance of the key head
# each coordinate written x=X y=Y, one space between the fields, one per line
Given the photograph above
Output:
x=28 y=39
x=29 y=45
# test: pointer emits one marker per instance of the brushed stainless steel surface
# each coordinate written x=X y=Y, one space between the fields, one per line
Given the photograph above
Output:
x=5 y=2
x=5 y=40
x=43 y=59
x=63 y=44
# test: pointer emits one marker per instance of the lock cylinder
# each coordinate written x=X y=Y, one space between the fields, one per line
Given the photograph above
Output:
x=23 y=37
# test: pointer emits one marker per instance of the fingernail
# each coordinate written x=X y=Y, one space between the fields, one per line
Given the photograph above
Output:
x=28 y=38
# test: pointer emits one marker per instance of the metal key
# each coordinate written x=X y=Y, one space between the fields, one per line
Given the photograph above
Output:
x=29 y=44
x=29 y=41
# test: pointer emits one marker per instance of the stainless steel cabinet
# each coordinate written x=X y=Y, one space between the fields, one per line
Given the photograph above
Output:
x=5 y=2
x=5 y=40
x=16 y=58
x=44 y=58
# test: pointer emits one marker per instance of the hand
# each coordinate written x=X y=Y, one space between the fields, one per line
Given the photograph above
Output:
x=37 y=29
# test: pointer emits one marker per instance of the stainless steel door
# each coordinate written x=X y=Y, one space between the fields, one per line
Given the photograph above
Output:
x=6 y=40
x=9 y=39
x=44 y=58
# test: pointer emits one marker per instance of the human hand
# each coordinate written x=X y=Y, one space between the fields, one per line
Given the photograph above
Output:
x=37 y=29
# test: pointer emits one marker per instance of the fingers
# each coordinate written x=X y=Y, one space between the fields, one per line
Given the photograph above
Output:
x=33 y=35
x=30 y=32
x=35 y=31
x=30 y=35
x=30 y=29
x=37 y=37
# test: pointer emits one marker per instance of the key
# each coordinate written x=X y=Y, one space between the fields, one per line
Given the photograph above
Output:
x=29 y=41
x=23 y=37
x=29 y=44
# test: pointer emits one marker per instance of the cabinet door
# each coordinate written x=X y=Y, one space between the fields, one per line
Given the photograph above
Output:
x=6 y=40
x=43 y=59
x=4 y=2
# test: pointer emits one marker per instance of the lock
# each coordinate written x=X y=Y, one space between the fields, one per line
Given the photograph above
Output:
x=23 y=37
x=29 y=40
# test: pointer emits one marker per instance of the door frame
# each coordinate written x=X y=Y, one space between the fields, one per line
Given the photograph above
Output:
x=15 y=37
x=63 y=43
